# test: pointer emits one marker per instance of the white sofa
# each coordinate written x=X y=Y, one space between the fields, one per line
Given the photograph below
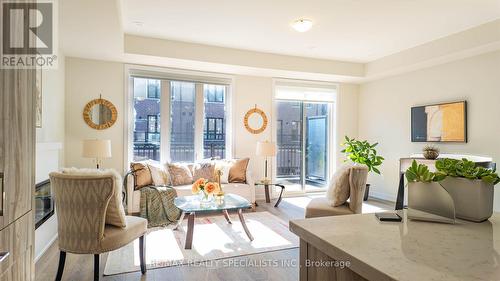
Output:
x=246 y=190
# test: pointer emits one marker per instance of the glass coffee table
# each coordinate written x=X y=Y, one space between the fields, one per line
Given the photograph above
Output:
x=192 y=204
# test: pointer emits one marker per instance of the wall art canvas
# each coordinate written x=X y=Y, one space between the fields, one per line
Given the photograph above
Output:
x=446 y=122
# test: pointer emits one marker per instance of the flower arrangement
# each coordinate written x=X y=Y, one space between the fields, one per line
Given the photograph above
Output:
x=205 y=186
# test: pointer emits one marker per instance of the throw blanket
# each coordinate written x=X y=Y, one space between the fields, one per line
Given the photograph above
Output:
x=157 y=205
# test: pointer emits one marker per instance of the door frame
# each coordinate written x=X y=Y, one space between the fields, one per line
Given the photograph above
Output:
x=332 y=132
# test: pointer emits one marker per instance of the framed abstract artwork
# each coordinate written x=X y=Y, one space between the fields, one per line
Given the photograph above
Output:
x=445 y=122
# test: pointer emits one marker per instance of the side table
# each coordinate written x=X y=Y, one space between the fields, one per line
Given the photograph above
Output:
x=266 y=186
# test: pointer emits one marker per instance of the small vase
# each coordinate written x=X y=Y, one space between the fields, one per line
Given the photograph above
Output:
x=431 y=154
x=206 y=198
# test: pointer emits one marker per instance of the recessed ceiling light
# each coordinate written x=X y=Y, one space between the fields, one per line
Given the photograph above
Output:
x=302 y=25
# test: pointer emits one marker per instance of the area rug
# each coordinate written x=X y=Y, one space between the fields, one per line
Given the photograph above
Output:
x=214 y=239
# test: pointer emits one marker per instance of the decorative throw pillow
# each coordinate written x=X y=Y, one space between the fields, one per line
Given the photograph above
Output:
x=238 y=171
x=115 y=213
x=142 y=174
x=224 y=166
x=179 y=174
x=338 y=191
x=158 y=174
x=204 y=170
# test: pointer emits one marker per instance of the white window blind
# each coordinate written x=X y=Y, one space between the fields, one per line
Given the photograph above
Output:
x=291 y=90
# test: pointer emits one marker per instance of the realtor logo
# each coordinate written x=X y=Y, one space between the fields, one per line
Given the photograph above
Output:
x=27 y=34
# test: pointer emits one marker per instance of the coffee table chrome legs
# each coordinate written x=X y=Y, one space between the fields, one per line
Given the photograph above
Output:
x=190 y=227
x=226 y=215
x=179 y=222
x=189 y=234
x=281 y=194
x=242 y=220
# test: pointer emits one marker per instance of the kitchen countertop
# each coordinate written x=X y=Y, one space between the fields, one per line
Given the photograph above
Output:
x=408 y=250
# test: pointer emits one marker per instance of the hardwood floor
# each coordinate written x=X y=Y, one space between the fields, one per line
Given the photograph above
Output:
x=80 y=267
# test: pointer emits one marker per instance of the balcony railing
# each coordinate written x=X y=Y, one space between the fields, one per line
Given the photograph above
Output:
x=178 y=152
x=289 y=161
x=289 y=157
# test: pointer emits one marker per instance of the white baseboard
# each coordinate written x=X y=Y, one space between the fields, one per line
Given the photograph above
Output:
x=46 y=248
x=383 y=196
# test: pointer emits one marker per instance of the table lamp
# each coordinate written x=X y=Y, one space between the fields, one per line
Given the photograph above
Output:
x=97 y=149
x=266 y=149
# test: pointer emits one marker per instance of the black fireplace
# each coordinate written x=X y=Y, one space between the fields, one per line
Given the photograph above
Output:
x=44 y=204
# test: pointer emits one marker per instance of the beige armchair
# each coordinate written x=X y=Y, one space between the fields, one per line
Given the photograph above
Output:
x=320 y=207
x=81 y=202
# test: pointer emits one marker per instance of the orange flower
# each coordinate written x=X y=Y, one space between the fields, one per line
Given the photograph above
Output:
x=197 y=185
x=211 y=188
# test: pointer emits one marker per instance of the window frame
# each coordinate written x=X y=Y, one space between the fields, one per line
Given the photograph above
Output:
x=165 y=75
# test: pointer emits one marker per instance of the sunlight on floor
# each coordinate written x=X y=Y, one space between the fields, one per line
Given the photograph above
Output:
x=210 y=237
x=264 y=237
x=161 y=245
x=300 y=202
x=368 y=206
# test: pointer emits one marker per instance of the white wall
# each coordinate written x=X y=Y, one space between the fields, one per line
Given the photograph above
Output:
x=85 y=79
x=52 y=105
x=384 y=112
x=347 y=117
x=248 y=92
x=50 y=138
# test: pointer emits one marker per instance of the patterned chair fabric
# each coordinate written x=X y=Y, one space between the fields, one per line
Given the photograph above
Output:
x=81 y=203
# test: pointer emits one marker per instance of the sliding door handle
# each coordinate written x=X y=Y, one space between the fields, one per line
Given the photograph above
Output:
x=3 y=256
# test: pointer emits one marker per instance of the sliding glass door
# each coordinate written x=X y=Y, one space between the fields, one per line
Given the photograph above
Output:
x=304 y=135
x=316 y=148
x=290 y=147
x=302 y=139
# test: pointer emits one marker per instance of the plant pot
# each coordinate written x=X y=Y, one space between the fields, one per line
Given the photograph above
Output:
x=367 y=191
x=432 y=155
x=473 y=198
x=430 y=202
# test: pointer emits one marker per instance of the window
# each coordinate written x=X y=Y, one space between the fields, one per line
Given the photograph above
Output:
x=195 y=124
x=153 y=124
x=214 y=141
x=214 y=129
x=153 y=89
x=214 y=93
x=146 y=138
x=304 y=114
x=182 y=107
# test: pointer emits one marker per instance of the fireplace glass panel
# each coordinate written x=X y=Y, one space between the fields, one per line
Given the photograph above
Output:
x=44 y=204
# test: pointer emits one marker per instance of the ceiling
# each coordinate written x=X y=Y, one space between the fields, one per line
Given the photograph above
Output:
x=350 y=30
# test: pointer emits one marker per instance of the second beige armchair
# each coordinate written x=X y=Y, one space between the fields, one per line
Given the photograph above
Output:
x=81 y=203
x=321 y=207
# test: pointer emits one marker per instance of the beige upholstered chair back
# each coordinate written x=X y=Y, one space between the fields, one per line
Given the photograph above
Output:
x=357 y=184
x=81 y=203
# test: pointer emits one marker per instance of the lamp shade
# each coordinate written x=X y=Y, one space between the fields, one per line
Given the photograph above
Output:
x=97 y=149
x=266 y=148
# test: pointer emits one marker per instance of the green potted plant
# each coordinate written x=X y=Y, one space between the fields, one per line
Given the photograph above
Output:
x=468 y=185
x=427 y=199
x=363 y=152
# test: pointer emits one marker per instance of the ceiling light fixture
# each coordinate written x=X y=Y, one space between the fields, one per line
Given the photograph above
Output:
x=302 y=25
